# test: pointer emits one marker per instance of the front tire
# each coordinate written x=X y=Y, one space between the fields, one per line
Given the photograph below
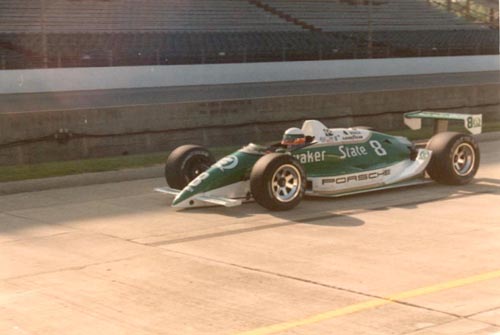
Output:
x=455 y=158
x=277 y=182
x=185 y=163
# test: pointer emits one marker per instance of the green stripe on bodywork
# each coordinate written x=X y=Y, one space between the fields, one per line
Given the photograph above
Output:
x=228 y=170
x=321 y=160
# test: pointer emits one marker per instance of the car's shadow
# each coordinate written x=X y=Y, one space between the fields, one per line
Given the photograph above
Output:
x=341 y=212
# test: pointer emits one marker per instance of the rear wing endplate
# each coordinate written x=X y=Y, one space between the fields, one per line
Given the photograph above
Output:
x=472 y=122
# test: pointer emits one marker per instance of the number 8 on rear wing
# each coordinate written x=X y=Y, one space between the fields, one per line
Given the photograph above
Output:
x=472 y=122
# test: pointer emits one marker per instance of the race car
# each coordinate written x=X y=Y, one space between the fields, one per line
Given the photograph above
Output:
x=315 y=160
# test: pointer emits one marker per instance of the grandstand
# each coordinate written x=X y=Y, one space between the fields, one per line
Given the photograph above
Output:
x=84 y=111
x=80 y=33
x=383 y=15
x=87 y=16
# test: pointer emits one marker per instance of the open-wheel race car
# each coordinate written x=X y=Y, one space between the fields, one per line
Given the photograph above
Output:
x=327 y=162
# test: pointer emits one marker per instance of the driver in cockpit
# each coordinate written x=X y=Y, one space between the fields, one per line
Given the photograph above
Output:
x=293 y=138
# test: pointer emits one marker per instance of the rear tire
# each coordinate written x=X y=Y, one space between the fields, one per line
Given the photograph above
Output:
x=455 y=158
x=277 y=182
x=185 y=163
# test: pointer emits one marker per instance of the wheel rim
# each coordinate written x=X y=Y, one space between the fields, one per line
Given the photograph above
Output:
x=463 y=159
x=286 y=183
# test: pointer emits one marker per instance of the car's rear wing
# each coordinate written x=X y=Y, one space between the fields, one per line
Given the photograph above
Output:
x=472 y=122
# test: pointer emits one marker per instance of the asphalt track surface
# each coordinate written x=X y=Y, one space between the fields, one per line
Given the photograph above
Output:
x=116 y=259
x=38 y=102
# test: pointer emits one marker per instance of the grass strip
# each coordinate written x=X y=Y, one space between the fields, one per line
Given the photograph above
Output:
x=64 y=168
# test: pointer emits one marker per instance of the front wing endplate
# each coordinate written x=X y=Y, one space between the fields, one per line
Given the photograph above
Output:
x=221 y=201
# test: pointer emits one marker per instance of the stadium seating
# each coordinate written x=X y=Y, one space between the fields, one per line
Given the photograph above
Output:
x=128 y=32
x=386 y=15
x=439 y=39
x=70 y=16
x=65 y=16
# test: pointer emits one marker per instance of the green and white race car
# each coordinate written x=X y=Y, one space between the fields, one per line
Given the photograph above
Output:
x=326 y=162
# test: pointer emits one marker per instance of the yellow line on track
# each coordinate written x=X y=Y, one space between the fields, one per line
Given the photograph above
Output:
x=370 y=304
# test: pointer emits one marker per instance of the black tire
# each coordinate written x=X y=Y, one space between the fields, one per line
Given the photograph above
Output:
x=455 y=158
x=185 y=163
x=268 y=184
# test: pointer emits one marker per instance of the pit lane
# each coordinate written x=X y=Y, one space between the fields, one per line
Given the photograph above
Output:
x=116 y=259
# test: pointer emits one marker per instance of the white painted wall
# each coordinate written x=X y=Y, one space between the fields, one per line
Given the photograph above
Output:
x=74 y=79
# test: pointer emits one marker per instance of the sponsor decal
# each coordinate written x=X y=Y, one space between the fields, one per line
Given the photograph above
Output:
x=357 y=178
x=352 y=135
x=424 y=154
x=473 y=122
x=328 y=136
x=310 y=157
x=341 y=135
x=377 y=147
x=352 y=138
x=197 y=181
x=352 y=151
x=227 y=163
x=359 y=150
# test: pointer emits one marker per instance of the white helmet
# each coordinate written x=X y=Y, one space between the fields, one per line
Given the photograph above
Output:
x=293 y=137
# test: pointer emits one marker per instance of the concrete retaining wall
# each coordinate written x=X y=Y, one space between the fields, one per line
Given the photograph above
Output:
x=141 y=129
x=71 y=79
